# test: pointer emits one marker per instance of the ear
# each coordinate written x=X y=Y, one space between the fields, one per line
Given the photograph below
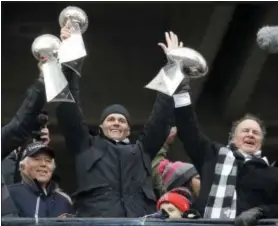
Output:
x=232 y=139
x=128 y=133
x=21 y=166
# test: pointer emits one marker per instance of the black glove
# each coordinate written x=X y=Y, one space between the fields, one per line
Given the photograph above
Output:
x=249 y=217
x=161 y=214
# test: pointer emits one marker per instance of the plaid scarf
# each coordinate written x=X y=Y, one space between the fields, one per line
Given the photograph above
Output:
x=221 y=203
x=222 y=197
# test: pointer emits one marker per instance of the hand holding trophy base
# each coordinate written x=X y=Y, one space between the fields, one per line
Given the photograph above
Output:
x=76 y=21
x=182 y=63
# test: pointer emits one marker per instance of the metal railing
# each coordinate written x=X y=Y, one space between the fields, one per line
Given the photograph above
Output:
x=121 y=222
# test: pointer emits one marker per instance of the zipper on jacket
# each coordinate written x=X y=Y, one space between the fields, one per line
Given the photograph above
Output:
x=37 y=210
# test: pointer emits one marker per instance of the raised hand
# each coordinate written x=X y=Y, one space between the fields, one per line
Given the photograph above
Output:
x=66 y=31
x=172 y=42
x=45 y=135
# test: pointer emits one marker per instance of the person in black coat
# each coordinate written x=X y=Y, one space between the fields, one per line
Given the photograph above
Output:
x=19 y=129
x=38 y=196
x=237 y=182
x=114 y=177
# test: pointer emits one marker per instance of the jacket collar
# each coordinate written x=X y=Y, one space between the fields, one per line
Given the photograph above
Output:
x=239 y=154
x=34 y=185
x=125 y=141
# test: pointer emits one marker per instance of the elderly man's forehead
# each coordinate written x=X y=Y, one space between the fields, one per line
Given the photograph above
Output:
x=249 y=124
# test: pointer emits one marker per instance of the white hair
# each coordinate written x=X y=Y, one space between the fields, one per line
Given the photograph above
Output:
x=24 y=162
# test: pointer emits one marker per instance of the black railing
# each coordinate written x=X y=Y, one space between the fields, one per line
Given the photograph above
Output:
x=120 y=222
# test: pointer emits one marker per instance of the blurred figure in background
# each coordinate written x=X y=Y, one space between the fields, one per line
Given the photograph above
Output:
x=158 y=186
x=180 y=174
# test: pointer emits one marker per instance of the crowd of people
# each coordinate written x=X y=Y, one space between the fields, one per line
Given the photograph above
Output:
x=116 y=178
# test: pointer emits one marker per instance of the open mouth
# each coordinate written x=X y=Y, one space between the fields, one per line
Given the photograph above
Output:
x=249 y=142
x=115 y=131
x=42 y=172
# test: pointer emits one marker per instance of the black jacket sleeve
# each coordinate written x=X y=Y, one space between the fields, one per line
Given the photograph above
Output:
x=156 y=129
x=7 y=204
x=71 y=119
x=270 y=211
x=196 y=144
x=20 y=128
x=9 y=165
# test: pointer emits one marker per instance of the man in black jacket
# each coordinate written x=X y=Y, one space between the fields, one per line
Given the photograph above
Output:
x=114 y=177
x=236 y=180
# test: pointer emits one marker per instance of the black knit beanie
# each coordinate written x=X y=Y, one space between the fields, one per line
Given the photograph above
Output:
x=115 y=109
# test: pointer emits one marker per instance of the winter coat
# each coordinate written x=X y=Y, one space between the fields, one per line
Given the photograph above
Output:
x=256 y=183
x=32 y=201
x=114 y=179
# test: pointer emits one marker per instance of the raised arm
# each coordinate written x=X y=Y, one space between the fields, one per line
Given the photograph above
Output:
x=156 y=129
x=199 y=148
x=69 y=115
x=71 y=119
x=20 y=128
x=158 y=126
x=196 y=144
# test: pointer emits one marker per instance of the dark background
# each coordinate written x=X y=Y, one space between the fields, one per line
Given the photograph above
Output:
x=123 y=57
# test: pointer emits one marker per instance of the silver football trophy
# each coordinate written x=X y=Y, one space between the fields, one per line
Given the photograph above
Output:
x=183 y=62
x=56 y=86
x=73 y=48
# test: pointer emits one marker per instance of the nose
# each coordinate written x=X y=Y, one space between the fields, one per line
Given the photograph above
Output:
x=251 y=133
x=43 y=163
x=116 y=124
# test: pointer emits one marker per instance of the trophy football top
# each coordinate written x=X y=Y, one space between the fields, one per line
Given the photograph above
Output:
x=74 y=14
x=45 y=45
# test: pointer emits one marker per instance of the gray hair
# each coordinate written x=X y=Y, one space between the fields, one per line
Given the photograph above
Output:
x=247 y=117
x=24 y=162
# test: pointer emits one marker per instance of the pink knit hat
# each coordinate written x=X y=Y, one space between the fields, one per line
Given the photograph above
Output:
x=175 y=174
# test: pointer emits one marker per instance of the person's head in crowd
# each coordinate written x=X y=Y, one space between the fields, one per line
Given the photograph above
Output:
x=175 y=202
x=179 y=174
x=115 y=122
x=172 y=135
x=247 y=134
x=38 y=163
